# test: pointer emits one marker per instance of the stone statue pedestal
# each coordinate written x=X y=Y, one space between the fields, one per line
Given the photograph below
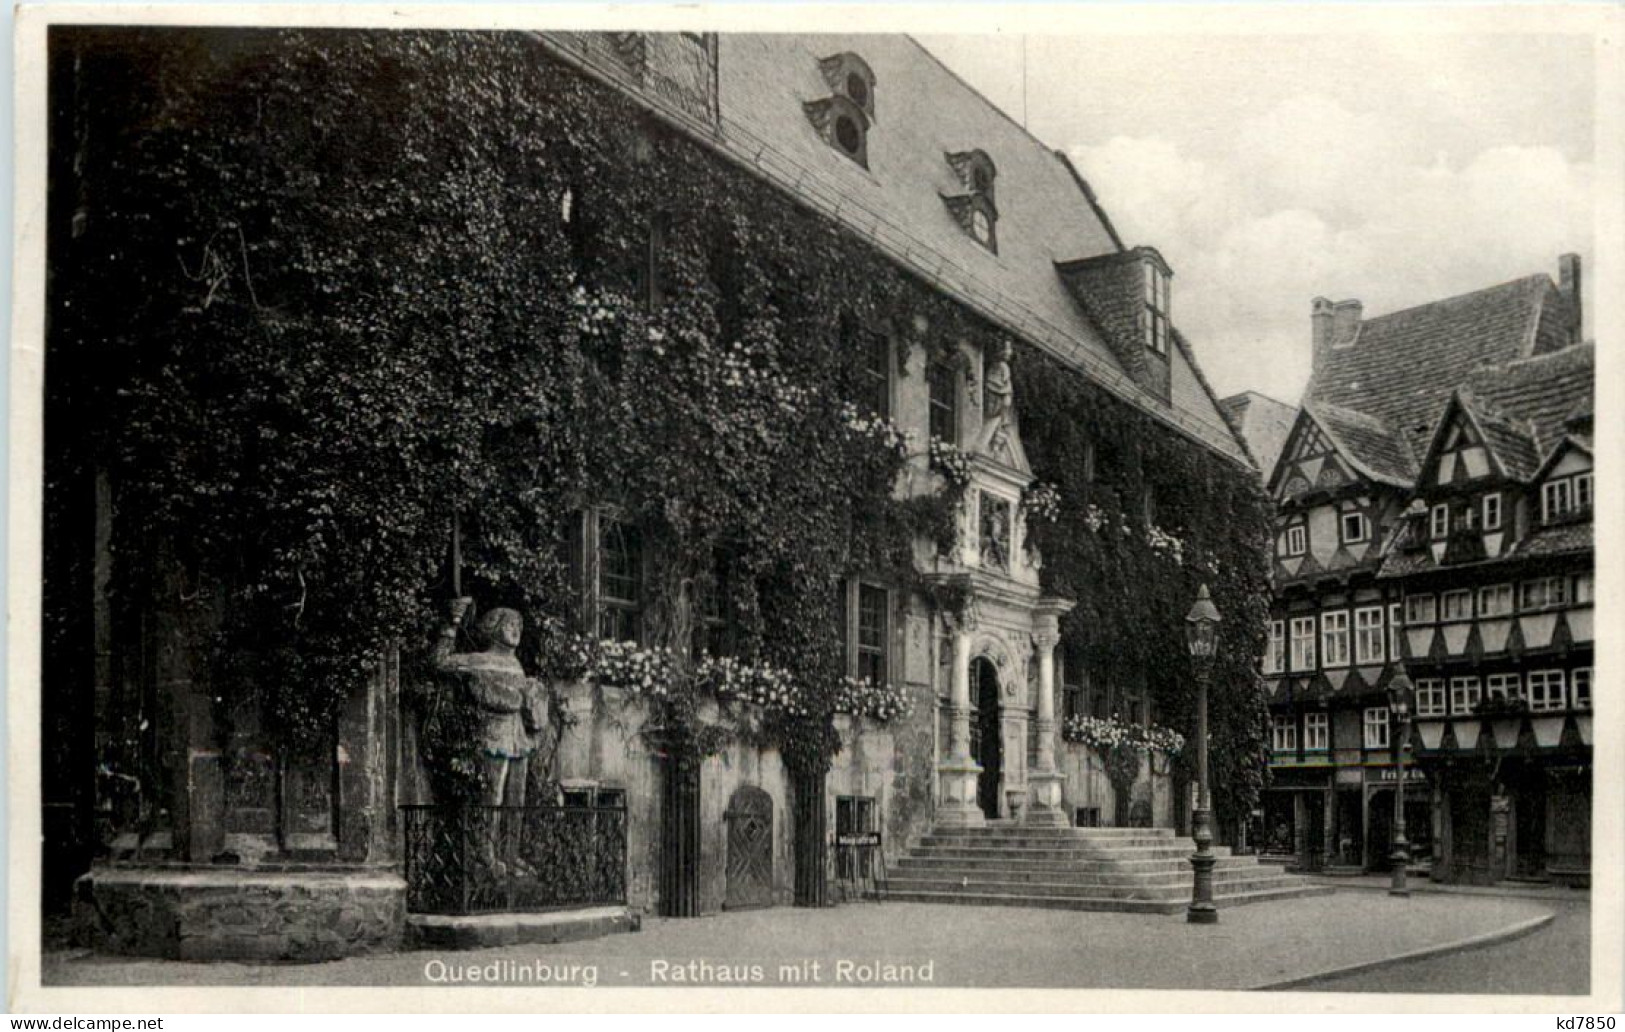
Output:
x=957 y=806
x=1047 y=809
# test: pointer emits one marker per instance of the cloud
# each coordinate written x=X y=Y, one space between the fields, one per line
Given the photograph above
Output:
x=1310 y=198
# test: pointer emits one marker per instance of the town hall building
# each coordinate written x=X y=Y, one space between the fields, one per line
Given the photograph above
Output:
x=975 y=681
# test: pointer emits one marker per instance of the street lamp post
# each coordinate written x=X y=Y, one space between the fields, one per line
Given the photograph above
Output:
x=1202 y=638
x=1399 y=704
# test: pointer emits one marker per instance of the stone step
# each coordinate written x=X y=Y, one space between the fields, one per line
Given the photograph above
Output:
x=1054 y=841
x=997 y=830
x=1075 y=853
x=911 y=867
x=1102 y=903
x=1159 y=891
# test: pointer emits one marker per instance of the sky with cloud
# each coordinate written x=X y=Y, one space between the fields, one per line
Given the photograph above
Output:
x=1397 y=169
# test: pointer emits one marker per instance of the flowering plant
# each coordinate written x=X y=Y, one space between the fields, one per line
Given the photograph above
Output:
x=876 y=428
x=769 y=687
x=1041 y=501
x=947 y=459
x=1166 y=544
x=646 y=672
x=865 y=698
x=565 y=656
x=1110 y=733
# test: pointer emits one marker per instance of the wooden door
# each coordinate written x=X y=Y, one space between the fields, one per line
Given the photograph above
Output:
x=750 y=849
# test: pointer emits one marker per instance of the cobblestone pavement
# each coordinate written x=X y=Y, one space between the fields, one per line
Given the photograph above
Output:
x=943 y=946
x=1554 y=960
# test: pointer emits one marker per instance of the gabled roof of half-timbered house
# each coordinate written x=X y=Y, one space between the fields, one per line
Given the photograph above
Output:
x=1540 y=414
x=1553 y=391
x=1402 y=367
x=1330 y=447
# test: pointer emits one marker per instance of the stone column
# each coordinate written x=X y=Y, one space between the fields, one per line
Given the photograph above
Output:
x=956 y=802
x=959 y=698
x=1046 y=780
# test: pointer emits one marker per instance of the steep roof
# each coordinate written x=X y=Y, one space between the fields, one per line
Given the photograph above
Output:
x=924 y=112
x=1263 y=423
x=1402 y=367
x=1546 y=390
x=1366 y=441
x=1511 y=440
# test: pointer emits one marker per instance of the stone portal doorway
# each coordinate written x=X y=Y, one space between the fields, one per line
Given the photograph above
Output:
x=986 y=740
x=750 y=849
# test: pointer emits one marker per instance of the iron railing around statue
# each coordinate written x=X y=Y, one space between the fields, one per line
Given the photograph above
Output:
x=474 y=859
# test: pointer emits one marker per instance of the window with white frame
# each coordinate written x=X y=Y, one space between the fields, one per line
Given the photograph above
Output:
x=1297 y=539
x=1396 y=623
x=1284 y=733
x=1544 y=690
x=1368 y=635
x=1556 y=498
x=1464 y=696
x=1492 y=511
x=1502 y=686
x=1376 y=727
x=1315 y=732
x=1565 y=495
x=1356 y=528
x=1420 y=609
x=1303 y=643
x=1440 y=521
x=1585 y=589
x=1456 y=605
x=1495 y=600
x=1430 y=700
x=1581 y=684
x=1275 y=655
x=1334 y=639
x=1540 y=593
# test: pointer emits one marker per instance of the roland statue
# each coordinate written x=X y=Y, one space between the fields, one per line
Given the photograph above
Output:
x=510 y=707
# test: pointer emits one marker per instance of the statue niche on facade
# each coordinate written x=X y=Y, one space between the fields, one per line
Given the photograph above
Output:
x=997 y=412
x=507 y=708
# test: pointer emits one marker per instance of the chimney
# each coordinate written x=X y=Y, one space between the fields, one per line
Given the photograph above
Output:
x=1568 y=282
x=1333 y=324
x=1346 y=322
x=1320 y=331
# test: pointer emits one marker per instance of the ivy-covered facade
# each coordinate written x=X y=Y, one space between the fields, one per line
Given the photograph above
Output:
x=829 y=460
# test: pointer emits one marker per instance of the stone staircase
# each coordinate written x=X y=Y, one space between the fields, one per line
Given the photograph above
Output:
x=1136 y=870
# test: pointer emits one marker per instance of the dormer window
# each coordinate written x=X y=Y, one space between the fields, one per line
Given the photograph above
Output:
x=842 y=125
x=974 y=208
x=843 y=119
x=1154 y=319
x=982 y=228
x=850 y=76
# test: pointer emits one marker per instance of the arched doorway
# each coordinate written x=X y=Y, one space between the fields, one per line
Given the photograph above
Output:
x=986 y=741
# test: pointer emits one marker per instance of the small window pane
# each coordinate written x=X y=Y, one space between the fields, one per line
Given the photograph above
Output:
x=944 y=403
x=1376 y=727
x=871 y=634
